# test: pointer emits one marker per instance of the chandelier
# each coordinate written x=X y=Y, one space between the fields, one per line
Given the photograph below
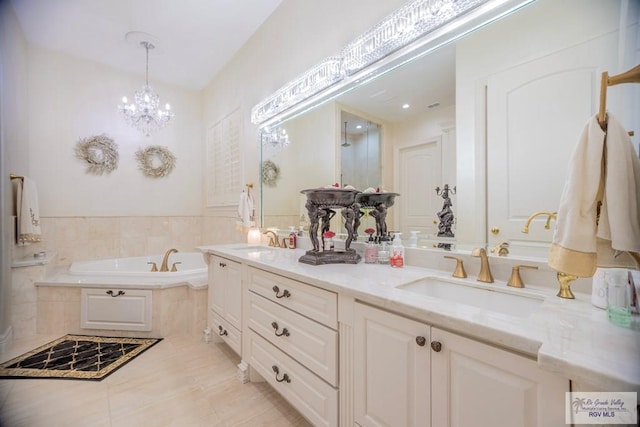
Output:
x=274 y=140
x=144 y=113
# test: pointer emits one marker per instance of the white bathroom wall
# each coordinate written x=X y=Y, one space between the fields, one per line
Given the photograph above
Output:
x=294 y=38
x=71 y=98
x=13 y=150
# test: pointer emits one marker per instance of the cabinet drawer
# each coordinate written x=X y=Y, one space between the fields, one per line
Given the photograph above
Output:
x=227 y=332
x=315 y=303
x=310 y=343
x=314 y=398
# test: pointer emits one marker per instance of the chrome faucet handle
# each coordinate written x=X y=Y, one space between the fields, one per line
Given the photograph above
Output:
x=173 y=267
x=515 y=281
x=459 y=271
x=154 y=266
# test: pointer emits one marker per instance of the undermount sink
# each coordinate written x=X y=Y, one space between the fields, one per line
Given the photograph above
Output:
x=496 y=300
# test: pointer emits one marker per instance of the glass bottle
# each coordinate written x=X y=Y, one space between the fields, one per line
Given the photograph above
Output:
x=371 y=251
x=383 y=250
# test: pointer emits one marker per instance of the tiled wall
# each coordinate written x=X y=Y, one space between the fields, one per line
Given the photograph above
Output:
x=90 y=238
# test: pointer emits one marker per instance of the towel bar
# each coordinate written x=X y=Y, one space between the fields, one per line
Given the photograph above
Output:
x=14 y=176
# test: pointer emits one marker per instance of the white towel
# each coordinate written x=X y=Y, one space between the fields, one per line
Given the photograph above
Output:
x=600 y=204
x=245 y=210
x=27 y=212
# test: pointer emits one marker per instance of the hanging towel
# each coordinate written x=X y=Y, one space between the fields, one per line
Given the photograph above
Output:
x=27 y=212
x=600 y=204
x=245 y=210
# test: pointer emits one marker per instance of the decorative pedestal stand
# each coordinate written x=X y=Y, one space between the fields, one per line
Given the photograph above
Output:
x=378 y=203
x=320 y=205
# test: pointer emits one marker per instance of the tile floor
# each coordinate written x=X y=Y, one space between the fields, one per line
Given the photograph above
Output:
x=181 y=381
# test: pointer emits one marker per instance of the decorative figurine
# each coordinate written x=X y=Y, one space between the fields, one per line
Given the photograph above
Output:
x=446 y=216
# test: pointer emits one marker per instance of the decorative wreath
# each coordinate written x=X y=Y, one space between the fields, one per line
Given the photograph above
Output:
x=270 y=173
x=99 y=152
x=155 y=161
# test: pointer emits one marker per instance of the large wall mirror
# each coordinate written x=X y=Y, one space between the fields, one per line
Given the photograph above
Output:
x=495 y=115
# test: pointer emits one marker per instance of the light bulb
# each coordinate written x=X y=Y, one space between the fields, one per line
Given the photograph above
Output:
x=167 y=107
x=124 y=99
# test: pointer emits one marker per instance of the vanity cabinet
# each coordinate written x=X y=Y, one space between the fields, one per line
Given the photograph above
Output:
x=116 y=309
x=225 y=300
x=293 y=342
x=408 y=373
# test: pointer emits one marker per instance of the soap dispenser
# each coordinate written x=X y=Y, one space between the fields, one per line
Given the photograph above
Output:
x=397 y=251
x=293 y=238
x=413 y=239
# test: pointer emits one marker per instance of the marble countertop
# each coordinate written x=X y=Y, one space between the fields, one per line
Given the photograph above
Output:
x=569 y=337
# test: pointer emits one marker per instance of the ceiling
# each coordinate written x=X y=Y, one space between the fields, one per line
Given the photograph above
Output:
x=194 y=38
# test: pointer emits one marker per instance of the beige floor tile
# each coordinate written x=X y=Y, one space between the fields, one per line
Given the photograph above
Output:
x=181 y=381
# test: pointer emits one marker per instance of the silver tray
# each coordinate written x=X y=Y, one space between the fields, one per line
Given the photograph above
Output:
x=331 y=197
x=370 y=200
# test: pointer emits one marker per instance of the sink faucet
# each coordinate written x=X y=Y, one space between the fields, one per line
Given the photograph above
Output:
x=165 y=266
x=547 y=225
x=273 y=239
x=485 y=270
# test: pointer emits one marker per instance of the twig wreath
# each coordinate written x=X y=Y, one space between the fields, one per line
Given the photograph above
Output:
x=270 y=173
x=99 y=153
x=155 y=161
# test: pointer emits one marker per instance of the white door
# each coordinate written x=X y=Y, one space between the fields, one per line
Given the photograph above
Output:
x=535 y=114
x=475 y=384
x=391 y=370
x=419 y=172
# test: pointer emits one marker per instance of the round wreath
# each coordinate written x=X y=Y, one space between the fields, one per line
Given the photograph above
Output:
x=155 y=161
x=270 y=173
x=99 y=152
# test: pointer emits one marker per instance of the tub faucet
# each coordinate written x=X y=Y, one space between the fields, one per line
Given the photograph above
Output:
x=485 y=271
x=165 y=266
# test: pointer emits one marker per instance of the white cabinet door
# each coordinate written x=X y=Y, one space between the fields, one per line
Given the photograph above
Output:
x=475 y=384
x=225 y=290
x=535 y=114
x=392 y=385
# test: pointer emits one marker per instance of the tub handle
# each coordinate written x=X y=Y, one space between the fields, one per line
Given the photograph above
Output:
x=173 y=267
x=154 y=266
x=110 y=292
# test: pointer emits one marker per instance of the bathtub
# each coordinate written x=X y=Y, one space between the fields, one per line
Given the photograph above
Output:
x=122 y=294
x=134 y=272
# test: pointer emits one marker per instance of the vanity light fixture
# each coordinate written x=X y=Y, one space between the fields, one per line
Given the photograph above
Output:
x=410 y=32
x=144 y=113
x=307 y=84
x=410 y=22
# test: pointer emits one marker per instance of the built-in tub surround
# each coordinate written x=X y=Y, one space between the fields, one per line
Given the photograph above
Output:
x=179 y=298
x=570 y=338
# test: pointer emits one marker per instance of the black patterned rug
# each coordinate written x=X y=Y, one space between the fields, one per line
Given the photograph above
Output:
x=77 y=357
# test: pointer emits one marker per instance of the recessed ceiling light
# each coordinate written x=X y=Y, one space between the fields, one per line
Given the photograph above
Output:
x=405 y=106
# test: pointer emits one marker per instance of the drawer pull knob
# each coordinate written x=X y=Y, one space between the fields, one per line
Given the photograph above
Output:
x=285 y=293
x=421 y=341
x=222 y=264
x=222 y=332
x=113 y=294
x=285 y=377
x=436 y=346
x=275 y=327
